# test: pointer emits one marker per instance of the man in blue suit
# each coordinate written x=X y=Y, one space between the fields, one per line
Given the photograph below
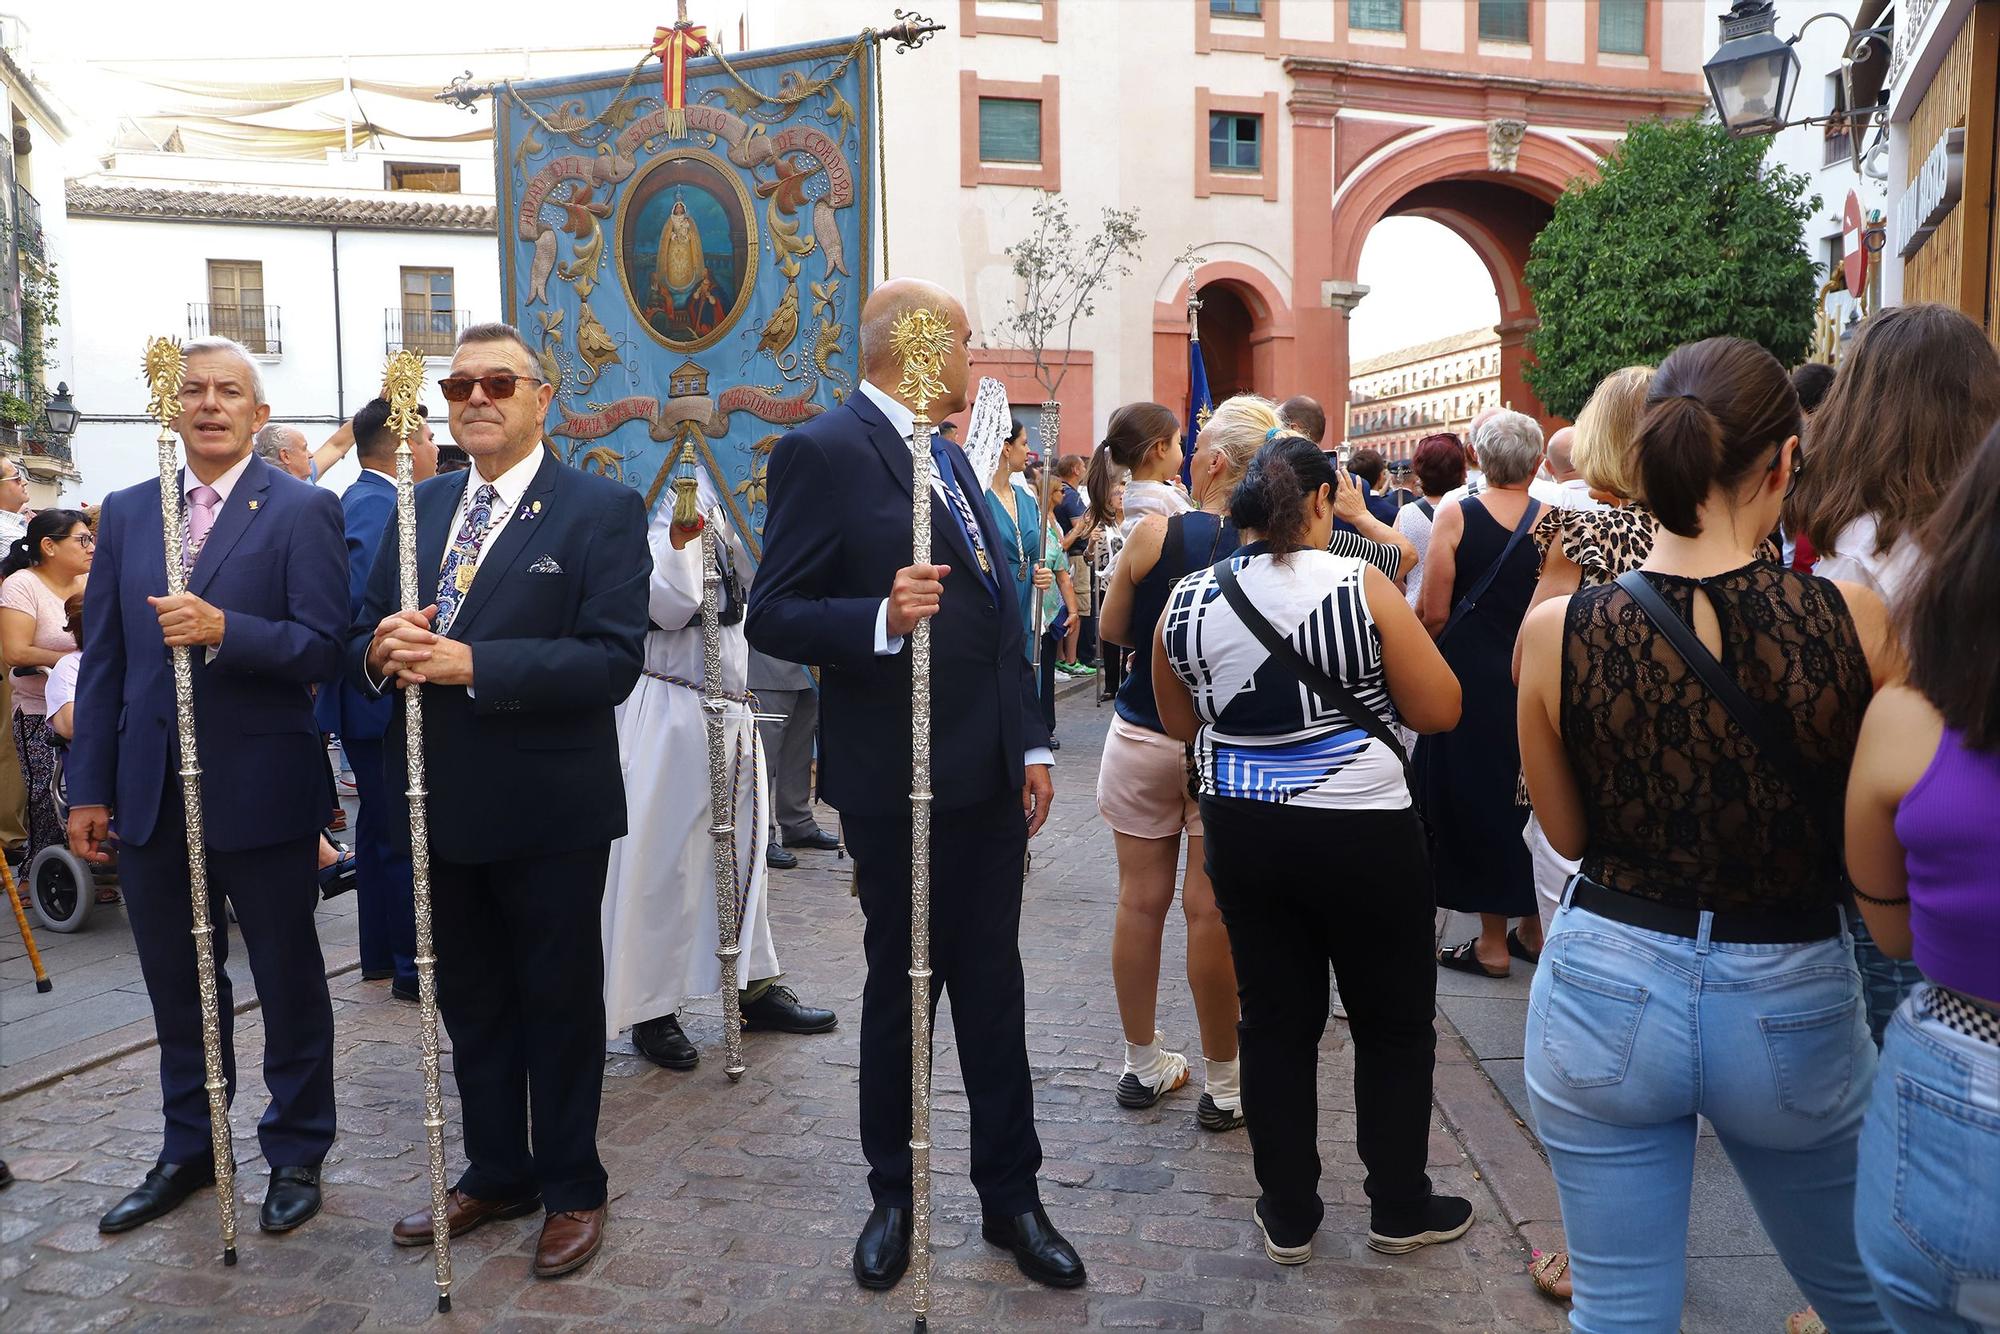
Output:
x=387 y=917
x=537 y=575
x=837 y=589
x=263 y=617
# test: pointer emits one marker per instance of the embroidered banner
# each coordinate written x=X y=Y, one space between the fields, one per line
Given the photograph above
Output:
x=703 y=288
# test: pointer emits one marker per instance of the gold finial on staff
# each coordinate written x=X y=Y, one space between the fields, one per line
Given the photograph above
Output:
x=920 y=339
x=403 y=386
x=166 y=368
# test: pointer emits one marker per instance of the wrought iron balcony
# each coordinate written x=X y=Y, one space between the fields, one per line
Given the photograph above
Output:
x=431 y=332
x=27 y=223
x=256 y=327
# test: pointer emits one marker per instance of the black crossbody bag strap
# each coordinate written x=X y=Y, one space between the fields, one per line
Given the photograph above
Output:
x=1313 y=678
x=1478 y=590
x=1779 y=749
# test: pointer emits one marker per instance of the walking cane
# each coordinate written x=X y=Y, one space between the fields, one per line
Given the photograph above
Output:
x=721 y=794
x=403 y=383
x=920 y=340
x=165 y=368
x=42 y=983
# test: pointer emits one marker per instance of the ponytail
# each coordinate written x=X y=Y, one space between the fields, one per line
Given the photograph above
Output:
x=46 y=525
x=1680 y=452
x=1271 y=500
x=1716 y=410
x=1133 y=430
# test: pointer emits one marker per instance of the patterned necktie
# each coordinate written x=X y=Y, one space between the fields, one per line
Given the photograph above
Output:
x=203 y=501
x=461 y=563
x=962 y=510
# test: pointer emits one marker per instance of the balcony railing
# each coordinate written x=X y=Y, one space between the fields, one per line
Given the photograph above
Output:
x=28 y=222
x=431 y=332
x=256 y=327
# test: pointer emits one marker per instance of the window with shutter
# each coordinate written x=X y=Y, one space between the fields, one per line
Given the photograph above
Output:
x=1010 y=129
x=1621 y=27
x=1375 y=15
x=1503 y=20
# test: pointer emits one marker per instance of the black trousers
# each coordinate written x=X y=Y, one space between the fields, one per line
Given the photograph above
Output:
x=274 y=893
x=520 y=974
x=385 y=905
x=1299 y=888
x=978 y=858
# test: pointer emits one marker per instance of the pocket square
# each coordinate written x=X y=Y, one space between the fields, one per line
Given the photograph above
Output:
x=545 y=565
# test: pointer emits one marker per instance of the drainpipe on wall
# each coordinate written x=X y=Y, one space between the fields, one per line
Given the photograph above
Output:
x=339 y=368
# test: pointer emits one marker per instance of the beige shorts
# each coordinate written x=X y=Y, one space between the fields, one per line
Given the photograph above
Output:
x=1142 y=784
x=1079 y=582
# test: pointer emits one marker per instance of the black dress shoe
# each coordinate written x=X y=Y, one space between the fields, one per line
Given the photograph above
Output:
x=778 y=859
x=377 y=974
x=291 y=1198
x=883 y=1251
x=1039 y=1249
x=778 y=1011
x=818 y=838
x=162 y=1192
x=405 y=991
x=662 y=1042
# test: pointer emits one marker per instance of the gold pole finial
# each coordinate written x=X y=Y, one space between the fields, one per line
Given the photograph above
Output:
x=403 y=386
x=166 y=367
x=920 y=339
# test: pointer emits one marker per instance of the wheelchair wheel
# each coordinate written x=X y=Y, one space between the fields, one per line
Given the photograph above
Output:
x=61 y=889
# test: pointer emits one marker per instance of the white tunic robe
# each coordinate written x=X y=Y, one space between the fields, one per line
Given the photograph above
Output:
x=660 y=930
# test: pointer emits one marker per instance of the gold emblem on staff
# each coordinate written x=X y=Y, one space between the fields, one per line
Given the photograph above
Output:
x=920 y=340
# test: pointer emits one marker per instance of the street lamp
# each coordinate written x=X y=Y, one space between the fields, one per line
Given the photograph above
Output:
x=61 y=413
x=1754 y=73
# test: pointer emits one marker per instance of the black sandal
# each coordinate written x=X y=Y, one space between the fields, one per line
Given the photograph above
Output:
x=1461 y=959
x=1520 y=951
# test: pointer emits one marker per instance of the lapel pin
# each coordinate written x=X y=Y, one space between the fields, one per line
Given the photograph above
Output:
x=255 y=503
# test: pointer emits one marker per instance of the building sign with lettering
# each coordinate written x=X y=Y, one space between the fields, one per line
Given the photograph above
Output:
x=1931 y=197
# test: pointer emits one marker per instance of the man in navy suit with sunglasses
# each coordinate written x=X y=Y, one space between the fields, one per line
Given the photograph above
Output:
x=535 y=574
x=837 y=589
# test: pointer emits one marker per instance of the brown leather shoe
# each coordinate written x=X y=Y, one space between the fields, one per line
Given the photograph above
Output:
x=569 y=1239
x=463 y=1213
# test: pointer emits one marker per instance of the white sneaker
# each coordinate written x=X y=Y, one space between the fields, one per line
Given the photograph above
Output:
x=1284 y=1255
x=1169 y=1072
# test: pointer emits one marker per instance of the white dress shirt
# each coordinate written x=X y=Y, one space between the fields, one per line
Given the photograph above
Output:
x=512 y=485
x=223 y=486
x=901 y=419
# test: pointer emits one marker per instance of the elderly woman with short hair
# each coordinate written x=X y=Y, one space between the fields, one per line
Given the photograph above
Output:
x=1480 y=571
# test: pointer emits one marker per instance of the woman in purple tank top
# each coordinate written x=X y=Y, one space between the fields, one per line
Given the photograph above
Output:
x=1923 y=848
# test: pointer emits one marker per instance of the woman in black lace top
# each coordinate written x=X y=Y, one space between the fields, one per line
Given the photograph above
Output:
x=1700 y=964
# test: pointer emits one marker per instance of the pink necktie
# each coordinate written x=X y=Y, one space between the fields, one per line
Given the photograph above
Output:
x=202 y=503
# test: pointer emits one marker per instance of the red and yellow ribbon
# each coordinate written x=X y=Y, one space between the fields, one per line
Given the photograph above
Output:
x=674 y=46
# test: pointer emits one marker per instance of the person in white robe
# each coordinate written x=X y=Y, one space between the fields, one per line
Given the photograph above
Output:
x=660 y=921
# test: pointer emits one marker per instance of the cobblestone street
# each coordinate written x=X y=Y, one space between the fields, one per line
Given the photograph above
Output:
x=736 y=1206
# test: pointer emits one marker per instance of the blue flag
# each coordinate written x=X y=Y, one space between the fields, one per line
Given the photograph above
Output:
x=1200 y=406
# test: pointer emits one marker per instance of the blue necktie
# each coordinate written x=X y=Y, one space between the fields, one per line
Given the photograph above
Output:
x=962 y=510
x=461 y=563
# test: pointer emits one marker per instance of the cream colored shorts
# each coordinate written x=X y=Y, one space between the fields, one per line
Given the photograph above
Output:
x=1142 y=784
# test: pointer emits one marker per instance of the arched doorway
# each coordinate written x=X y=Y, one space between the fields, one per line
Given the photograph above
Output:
x=1247 y=334
x=1226 y=328
x=1496 y=202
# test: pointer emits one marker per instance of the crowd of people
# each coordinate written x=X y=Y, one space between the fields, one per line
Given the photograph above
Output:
x=1695 y=705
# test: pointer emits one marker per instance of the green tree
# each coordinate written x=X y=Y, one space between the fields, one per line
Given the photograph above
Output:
x=1686 y=234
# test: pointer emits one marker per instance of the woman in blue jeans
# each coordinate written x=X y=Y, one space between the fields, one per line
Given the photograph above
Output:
x=1922 y=847
x=1700 y=965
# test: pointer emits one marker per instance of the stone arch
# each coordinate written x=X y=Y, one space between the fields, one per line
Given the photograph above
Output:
x=1446 y=175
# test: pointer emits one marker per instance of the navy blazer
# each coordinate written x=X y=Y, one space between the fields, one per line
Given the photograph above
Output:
x=272 y=564
x=525 y=763
x=837 y=531
x=368 y=506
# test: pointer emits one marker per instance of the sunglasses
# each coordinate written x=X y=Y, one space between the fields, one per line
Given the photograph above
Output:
x=458 y=388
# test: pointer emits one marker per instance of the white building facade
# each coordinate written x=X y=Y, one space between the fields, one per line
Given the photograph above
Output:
x=319 y=275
